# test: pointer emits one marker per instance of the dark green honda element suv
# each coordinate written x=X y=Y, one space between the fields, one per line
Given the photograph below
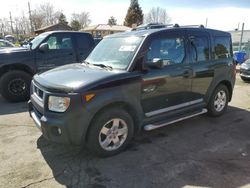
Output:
x=135 y=80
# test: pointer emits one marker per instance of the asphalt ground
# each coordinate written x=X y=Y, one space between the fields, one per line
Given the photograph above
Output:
x=198 y=152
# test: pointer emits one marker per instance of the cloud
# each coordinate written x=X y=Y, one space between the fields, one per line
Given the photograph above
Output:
x=205 y=4
x=221 y=14
x=218 y=18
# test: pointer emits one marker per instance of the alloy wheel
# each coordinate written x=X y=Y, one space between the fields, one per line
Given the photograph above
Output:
x=113 y=134
x=220 y=101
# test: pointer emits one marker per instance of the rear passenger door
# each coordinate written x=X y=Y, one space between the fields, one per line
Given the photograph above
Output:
x=200 y=63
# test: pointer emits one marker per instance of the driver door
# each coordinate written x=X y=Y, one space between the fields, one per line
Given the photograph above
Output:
x=167 y=88
x=60 y=52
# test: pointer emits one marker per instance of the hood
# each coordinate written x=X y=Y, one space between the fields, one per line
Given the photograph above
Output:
x=12 y=50
x=16 y=55
x=70 y=78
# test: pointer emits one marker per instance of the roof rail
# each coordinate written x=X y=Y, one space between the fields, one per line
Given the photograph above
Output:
x=161 y=25
x=152 y=26
x=199 y=26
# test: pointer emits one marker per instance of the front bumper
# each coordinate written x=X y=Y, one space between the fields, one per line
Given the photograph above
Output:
x=66 y=128
x=245 y=73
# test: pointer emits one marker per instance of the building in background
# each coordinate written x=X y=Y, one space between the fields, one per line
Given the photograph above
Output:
x=54 y=27
x=245 y=46
x=102 y=30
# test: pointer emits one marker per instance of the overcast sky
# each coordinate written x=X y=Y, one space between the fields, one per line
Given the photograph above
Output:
x=221 y=14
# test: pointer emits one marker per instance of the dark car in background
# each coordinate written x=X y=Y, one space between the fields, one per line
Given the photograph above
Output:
x=5 y=44
x=143 y=79
x=46 y=51
x=245 y=71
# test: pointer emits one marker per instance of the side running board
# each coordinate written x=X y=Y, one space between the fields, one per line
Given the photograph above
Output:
x=155 y=126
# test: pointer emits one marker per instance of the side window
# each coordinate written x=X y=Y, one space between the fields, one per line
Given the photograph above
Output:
x=61 y=41
x=52 y=42
x=170 y=50
x=199 y=48
x=83 y=42
x=2 y=44
x=222 y=47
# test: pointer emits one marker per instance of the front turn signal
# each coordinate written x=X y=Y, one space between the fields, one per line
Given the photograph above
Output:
x=88 y=97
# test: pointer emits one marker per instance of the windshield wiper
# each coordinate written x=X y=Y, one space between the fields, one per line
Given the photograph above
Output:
x=86 y=62
x=103 y=66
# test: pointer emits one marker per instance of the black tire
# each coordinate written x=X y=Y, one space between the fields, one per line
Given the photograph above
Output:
x=245 y=79
x=94 y=134
x=214 y=109
x=15 y=86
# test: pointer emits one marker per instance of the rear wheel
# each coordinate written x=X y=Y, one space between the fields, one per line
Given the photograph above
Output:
x=110 y=132
x=219 y=101
x=15 y=86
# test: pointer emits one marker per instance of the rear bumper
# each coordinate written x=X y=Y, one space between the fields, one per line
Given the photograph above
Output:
x=65 y=128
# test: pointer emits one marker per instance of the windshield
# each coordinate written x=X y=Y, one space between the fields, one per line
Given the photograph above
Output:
x=36 y=41
x=115 y=52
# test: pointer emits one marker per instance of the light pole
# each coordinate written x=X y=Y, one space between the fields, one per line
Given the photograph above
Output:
x=241 y=36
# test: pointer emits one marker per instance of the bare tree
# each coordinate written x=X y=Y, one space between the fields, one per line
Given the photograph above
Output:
x=157 y=15
x=45 y=15
x=5 y=26
x=1 y=28
x=83 y=18
x=22 y=24
x=37 y=19
x=47 y=10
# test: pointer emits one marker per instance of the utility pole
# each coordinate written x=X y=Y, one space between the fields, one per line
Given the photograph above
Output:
x=31 y=25
x=2 y=31
x=206 y=22
x=17 y=32
x=11 y=24
x=241 y=36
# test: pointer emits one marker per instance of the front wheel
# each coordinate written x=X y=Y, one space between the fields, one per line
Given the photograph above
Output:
x=110 y=132
x=218 y=101
x=15 y=86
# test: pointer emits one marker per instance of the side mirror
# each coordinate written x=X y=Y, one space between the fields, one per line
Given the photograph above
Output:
x=156 y=63
x=44 y=47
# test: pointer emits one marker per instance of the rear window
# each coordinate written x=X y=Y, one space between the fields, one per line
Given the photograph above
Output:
x=84 y=42
x=222 y=47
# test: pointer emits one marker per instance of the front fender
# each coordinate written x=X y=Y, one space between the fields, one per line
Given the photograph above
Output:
x=128 y=95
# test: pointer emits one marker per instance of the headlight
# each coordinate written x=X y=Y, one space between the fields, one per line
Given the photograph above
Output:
x=244 y=66
x=58 y=104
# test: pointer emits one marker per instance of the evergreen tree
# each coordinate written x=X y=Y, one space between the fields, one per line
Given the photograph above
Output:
x=112 y=21
x=134 y=14
x=76 y=26
x=62 y=19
